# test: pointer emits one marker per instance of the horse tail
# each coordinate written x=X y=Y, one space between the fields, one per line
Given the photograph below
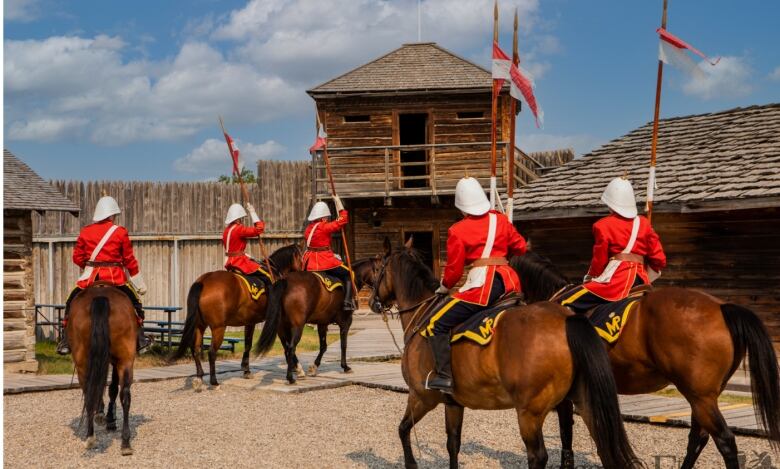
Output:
x=593 y=376
x=273 y=312
x=748 y=332
x=99 y=357
x=191 y=323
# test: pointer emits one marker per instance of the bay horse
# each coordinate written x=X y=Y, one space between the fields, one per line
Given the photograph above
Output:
x=299 y=299
x=540 y=356
x=220 y=299
x=102 y=331
x=687 y=338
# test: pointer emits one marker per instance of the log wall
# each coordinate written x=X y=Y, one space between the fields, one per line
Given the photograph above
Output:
x=18 y=300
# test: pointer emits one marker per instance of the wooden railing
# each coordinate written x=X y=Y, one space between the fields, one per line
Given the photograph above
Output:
x=379 y=171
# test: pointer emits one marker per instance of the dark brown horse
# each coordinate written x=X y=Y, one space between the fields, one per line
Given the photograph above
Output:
x=539 y=357
x=687 y=338
x=102 y=330
x=302 y=299
x=220 y=299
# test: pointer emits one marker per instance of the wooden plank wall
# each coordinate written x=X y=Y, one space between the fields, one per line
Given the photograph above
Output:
x=733 y=255
x=18 y=312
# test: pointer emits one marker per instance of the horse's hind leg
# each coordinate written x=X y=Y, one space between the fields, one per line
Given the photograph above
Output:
x=531 y=432
x=415 y=411
x=292 y=362
x=197 y=350
x=322 y=331
x=343 y=333
x=697 y=440
x=127 y=381
x=113 y=391
x=249 y=332
x=565 y=411
x=453 y=419
x=709 y=419
x=217 y=335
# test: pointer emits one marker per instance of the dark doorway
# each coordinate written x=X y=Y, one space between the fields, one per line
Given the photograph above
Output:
x=423 y=243
x=413 y=130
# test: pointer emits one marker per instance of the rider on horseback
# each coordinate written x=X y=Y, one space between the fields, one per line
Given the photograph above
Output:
x=625 y=242
x=483 y=239
x=104 y=251
x=234 y=240
x=318 y=256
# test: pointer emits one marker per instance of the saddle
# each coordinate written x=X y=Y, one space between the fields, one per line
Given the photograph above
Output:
x=608 y=319
x=254 y=285
x=328 y=281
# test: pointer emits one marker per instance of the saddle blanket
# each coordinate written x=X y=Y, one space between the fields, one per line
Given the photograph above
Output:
x=329 y=282
x=254 y=285
x=480 y=327
x=609 y=319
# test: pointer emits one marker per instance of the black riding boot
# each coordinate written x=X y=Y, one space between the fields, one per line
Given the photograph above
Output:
x=440 y=345
x=349 y=302
x=63 y=347
x=142 y=341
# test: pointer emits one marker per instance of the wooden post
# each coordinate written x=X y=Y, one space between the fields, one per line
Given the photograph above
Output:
x=656 y=115
x=510 y=190
x=245 y=197
x=494 y=111
x=387 y=176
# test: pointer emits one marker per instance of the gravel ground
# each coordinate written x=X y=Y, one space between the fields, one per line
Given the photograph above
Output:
x=345 y=427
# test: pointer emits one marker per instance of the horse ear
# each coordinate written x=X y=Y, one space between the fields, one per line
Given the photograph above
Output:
x=409 y=242
x=528 y=245
x=387 y=246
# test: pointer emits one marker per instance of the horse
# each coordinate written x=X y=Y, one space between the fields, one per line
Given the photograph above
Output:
x=687 y=338
x=299 y=299
x=219 y=299
x=102 y=330
x=540 y=356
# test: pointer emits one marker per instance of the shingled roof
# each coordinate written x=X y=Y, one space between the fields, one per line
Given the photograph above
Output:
x=412 y=67
x=718 y=161
x=23 y=189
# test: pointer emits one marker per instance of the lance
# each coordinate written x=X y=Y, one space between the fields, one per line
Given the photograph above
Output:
x=494 y=111
x=333 y=193
x=245 y=197
x=510 y=190
x=654 y=144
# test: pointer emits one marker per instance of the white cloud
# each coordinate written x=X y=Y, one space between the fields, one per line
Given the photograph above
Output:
x=45 y=129
x=775 y=74
x=20 y=10
x=580 y=143
x=211 y=157
x=729 y=78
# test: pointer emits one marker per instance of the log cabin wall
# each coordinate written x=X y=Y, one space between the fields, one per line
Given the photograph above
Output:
x=733 y=255
x=18 y=310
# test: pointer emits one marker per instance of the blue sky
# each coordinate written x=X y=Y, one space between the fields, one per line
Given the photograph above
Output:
x=132 y=90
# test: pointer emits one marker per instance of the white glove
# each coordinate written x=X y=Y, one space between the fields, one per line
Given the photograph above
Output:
x=139 y=284
x=587 y=278
x=442 y=290
x=252 y=214
x=337 y=202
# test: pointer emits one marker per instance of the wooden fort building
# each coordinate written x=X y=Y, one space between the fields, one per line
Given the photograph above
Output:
x=402 y=130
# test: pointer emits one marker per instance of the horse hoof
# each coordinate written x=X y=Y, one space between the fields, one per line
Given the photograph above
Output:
x=197 y=384
x=313 y=370
x=100 y=419
x=348 y=370
x=127 y=451
x=111 y=426
x=247 y=375
x=91 y=442
x=300 y=372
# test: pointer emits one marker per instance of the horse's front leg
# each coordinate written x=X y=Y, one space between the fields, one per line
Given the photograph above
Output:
x=322 y=331
x=343 y=333
x=249 y=331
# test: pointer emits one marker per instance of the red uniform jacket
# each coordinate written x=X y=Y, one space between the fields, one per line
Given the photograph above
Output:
x=237 y=244
x=322 y=260
x=117 y=249
x=465 y=241
x=612 y=234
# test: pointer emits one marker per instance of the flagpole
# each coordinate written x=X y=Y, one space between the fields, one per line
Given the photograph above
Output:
x=494 y=111
x=510 y=191
x=333 y=192
x=245 y=195
x=654 y=144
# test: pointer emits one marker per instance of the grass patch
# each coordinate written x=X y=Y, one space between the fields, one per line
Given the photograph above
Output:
x=723 y=398
x=50 y=363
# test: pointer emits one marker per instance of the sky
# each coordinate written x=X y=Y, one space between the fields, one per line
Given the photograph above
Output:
x=131 y=90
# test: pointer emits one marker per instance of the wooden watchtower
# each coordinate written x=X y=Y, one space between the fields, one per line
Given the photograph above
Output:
x=402 y=130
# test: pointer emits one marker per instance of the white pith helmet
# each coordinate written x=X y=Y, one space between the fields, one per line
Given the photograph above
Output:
x=320 y=210
x=235 y=212
x=470 y=198
x=619 y=196
x=105 y=207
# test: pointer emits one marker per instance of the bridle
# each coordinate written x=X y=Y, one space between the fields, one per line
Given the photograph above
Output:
x=374 y=303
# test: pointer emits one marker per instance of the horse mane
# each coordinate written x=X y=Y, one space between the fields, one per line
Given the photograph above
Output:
x=413 y=278
x=538 y=276
x=284 y=257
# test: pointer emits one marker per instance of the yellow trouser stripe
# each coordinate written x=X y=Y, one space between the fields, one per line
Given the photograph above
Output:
x=438 y=315
x=574 y=297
